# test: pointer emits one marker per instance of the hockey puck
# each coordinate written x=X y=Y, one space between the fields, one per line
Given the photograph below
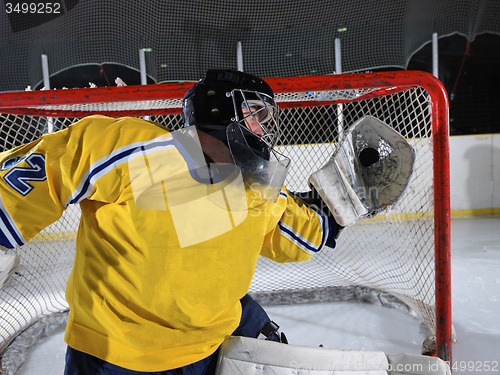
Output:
x=368 y=156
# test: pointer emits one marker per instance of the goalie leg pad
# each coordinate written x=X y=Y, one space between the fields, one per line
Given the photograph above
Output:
x=242 y=355
x=8 y=265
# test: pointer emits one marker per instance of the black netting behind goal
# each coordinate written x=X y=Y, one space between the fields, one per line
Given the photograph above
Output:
x=279 y=38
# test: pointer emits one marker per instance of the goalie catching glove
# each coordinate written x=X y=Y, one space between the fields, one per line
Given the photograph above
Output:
x=369 y=171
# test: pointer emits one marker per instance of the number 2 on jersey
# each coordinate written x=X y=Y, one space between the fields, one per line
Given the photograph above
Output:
x=18 y=177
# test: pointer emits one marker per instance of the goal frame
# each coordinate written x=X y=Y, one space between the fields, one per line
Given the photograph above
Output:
x=29 y=103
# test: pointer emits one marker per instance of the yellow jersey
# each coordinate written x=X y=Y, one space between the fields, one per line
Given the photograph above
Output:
x=156 y=284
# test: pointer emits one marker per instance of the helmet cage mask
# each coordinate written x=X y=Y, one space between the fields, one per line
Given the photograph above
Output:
x=259 y=108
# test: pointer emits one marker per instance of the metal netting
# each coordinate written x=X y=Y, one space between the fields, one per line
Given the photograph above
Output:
x=393 y=252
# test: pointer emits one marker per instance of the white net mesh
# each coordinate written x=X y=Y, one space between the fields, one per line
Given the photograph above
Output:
x=393 y=252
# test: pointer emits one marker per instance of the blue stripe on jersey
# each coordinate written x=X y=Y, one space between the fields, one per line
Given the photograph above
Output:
x=108 y=163
x=325 y=228
x=296 y=238
x=288 y=232
x=10 y=236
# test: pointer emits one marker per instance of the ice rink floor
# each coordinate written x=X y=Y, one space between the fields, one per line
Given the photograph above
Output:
x=351 y=325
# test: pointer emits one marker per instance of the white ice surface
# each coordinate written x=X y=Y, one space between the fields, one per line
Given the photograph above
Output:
x=348 y=325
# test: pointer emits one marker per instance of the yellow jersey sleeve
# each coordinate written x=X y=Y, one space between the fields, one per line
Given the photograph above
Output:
x=40 y=179
x=299 y=233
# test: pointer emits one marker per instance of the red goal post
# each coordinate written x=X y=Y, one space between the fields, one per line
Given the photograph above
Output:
x=314 y=112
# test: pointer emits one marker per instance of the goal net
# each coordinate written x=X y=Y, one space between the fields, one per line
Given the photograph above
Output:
x=403 y=253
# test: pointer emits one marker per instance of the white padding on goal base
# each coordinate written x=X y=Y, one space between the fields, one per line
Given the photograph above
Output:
x=243 y=355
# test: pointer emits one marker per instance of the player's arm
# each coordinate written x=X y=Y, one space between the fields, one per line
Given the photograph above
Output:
x=25 y=199
x=303 y=230
x=39 y=180
x=315 y=203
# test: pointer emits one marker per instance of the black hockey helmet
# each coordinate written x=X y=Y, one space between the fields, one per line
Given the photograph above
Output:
x=228 y=96
x=238 y=109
